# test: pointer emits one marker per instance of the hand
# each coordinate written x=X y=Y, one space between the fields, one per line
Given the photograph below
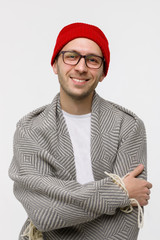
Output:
x=138 y=188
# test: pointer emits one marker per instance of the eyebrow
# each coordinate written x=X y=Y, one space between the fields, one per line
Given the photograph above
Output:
x=72 y=50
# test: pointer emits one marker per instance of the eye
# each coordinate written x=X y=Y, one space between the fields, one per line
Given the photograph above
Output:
x=71 y=56
x=93 y=59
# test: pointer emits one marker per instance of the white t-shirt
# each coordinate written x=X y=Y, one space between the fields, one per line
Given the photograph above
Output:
x=79 y=127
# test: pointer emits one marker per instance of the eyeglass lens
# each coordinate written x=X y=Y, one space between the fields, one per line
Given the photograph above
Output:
x=72 y=58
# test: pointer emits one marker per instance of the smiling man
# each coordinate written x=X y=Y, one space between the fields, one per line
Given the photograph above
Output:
x=79 y=165
x=79 y=69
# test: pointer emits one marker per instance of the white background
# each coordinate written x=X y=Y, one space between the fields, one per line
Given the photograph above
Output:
x=28 y=30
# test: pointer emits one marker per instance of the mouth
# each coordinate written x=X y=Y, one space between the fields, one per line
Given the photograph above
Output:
x=79 y=80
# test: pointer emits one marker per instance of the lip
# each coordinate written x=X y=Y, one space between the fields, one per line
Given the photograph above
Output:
x=79 y=81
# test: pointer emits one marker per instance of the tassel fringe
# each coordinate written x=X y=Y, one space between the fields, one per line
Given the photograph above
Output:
x=119 y=181
x=32 y=232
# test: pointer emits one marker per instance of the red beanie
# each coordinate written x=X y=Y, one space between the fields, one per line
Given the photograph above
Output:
x=77 y=30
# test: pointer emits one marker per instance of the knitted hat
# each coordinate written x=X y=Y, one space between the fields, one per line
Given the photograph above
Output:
x=84 y=30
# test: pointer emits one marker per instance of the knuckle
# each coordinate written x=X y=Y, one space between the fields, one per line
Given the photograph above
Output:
x=149 y=191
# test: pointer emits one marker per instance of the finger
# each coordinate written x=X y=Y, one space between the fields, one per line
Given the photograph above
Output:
x=146 y=202
x=148 y=191
x=149 y=185
x=148 y=197
x=138 y=170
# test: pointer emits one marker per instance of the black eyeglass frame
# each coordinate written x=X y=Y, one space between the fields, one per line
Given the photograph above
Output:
x=82 y=56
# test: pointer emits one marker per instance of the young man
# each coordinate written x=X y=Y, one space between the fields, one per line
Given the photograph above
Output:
x=70 y=156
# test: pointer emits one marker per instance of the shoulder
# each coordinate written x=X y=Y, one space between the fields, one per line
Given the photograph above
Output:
x=106 y=105
x=41 y=119
x=30 y=118
x=42 y=116
x=125 y=118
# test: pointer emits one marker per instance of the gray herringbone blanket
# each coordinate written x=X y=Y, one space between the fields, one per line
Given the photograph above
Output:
x=44 y=174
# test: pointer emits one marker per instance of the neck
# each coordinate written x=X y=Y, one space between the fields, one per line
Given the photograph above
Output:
x=76 y=106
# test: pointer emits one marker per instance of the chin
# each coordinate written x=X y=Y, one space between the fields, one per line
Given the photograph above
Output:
x=80 y=96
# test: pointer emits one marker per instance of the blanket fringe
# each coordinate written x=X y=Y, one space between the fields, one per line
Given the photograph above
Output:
x=32 y=232
x=118 y=180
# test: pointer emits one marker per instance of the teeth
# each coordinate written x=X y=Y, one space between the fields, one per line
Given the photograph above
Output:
x=78 y=80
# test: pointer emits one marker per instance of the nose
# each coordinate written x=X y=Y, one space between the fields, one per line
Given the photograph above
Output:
x=81 y=66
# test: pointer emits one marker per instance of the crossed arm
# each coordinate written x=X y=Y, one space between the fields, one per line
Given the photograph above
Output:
x=50 y=195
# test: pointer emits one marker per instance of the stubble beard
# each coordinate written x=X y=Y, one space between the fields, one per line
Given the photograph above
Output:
x=81 y=96
x=75 y=96
x=89 y=92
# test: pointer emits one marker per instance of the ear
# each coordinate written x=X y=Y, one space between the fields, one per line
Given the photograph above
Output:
x=55 y=67
x=102 y=77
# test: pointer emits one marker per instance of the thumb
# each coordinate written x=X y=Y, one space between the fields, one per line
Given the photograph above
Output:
x=139 y=169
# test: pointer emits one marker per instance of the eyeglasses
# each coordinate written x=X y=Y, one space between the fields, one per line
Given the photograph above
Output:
x=73 y=58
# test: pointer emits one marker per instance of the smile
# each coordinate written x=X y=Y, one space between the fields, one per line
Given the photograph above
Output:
x=79 y=80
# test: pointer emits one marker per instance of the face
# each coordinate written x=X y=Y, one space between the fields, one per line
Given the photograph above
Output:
x=79 y=81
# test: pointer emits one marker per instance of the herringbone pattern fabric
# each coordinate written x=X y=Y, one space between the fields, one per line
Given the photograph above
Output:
x=44 y=173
